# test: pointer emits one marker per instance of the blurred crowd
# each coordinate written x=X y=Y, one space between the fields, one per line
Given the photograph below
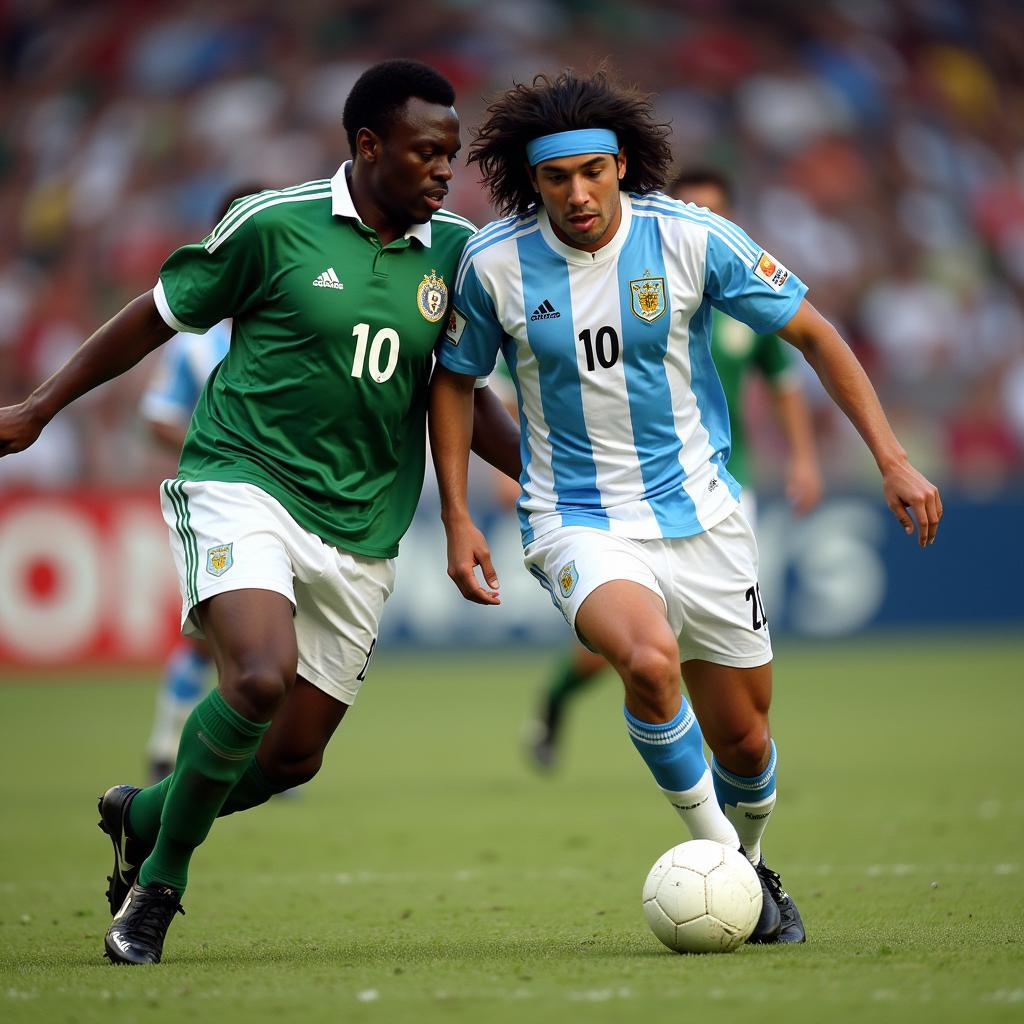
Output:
x=877 y=148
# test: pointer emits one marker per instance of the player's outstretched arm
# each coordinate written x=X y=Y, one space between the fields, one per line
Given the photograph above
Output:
x=116 y=347
x=451 y=431
x=845 y=380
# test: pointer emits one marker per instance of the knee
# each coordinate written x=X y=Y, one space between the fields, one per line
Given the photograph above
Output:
x=256 y=687
x=289 y=772
x=651 y=677
x=746 y=751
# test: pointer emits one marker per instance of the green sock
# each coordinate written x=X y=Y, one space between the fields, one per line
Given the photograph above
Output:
x=565 y=684
x=145 y=809
x=216 y=747
x=251 y=790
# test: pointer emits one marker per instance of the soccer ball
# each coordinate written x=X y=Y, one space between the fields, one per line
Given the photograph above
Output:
x=702 y=897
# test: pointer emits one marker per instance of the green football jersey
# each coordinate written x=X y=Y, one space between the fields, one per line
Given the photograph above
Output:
x=321 y=399
x=737 y=350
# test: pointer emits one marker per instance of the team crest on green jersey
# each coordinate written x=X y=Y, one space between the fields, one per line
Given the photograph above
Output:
x=568 y=577
x=647 y=297
x=432 y=297
x=219 y=560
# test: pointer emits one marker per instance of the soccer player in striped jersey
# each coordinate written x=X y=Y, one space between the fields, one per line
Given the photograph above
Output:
x=301 y=469
x=739 y=353
x=598 y=290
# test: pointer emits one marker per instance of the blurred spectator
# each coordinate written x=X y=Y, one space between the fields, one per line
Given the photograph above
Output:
x=879 y=147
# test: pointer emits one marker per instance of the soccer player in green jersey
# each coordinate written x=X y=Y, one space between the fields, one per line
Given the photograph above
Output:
x=301 y=469
x=738 y=353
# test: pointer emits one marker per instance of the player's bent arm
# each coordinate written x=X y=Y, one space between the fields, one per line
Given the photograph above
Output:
x=451 y=433
x=845 y=380
x=495 y=433
x=804 y=485
x=116 y=347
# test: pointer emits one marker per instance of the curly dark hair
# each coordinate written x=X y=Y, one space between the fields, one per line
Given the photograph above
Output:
x=383 y=89
x=567 y=103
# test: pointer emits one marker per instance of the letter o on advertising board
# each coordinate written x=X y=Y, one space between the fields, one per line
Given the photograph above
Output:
x=51 y=625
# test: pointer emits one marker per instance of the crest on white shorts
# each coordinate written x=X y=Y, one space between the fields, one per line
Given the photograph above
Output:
x=219 y=560
x=647 y=297
x=568 y=577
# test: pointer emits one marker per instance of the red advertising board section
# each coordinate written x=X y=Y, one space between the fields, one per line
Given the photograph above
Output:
x=85 y=577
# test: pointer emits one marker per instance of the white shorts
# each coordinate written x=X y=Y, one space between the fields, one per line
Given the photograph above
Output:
x=708 y=583
x=233 y=536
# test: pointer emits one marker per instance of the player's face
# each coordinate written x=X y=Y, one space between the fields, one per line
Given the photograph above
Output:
x=707 y=195
x=581 y=196
x=412 y=163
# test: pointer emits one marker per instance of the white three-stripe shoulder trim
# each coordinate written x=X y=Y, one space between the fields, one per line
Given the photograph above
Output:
x=454 y=218
x=244 y=205
x=270 y=199
x=477 y=245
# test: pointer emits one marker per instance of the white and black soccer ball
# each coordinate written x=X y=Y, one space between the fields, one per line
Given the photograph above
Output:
x=702 y=897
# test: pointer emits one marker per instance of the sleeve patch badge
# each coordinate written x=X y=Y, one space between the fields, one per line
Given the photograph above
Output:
x=773 y=273
x=219 y=560
x=456 y=325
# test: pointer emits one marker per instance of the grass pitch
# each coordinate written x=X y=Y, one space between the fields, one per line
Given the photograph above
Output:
x=429 y=874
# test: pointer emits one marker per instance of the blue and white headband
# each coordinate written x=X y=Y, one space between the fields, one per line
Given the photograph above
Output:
x=586 y=140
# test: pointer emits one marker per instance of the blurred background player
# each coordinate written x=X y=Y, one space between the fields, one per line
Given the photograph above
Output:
x=185 y=362
x=739 y=354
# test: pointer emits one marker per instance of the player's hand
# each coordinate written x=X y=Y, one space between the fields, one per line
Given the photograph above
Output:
x=909 y=492
x=467 y=549
x=804 y=485
x=20 y=425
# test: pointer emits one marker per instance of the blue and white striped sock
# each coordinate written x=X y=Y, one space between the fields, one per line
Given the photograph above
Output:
x=674 y=752
x=747 y=803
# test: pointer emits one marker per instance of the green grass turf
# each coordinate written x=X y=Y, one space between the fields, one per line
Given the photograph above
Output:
x=428 y=874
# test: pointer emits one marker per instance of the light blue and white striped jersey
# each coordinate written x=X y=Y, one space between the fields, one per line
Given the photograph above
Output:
x=186 y=361
x=624 y=421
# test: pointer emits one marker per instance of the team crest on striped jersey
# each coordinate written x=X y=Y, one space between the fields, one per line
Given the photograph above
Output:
x=219 y=560
x=432 y=297
x=568 y=577
x=647 y=297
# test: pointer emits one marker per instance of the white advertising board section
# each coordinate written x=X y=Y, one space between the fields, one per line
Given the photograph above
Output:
x=86 y=577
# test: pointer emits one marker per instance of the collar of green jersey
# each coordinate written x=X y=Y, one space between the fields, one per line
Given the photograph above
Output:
x=342 y=206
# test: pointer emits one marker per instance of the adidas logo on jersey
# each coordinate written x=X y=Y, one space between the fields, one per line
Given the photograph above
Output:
x=545 y=311
x=328 y=279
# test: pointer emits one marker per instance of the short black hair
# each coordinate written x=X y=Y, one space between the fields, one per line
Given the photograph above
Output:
x=382 y=90
x=697 y=177
x=562 y=104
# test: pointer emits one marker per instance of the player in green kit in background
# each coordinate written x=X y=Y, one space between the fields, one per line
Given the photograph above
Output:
x=738 y=354
x=301 y=469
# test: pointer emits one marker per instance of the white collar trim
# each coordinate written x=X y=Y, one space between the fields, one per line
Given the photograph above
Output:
x=342 y=206
x=586 y=259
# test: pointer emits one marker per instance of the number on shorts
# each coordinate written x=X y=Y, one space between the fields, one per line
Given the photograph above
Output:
x=386 y=335
x=756 y=607
x=366 y=664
